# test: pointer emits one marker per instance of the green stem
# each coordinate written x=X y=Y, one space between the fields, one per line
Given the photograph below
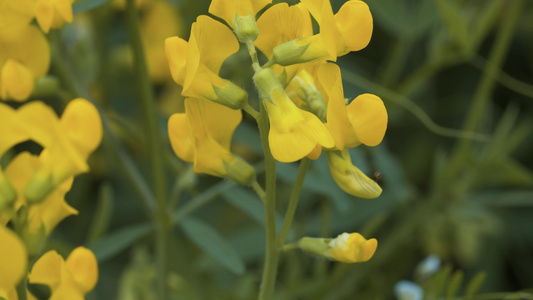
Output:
x=155 y=147
x=485 y=87
x=253 y=55
x=293 y=201
x=259 y=191
x=22 y=288
x=124 y=162
x=271 y=256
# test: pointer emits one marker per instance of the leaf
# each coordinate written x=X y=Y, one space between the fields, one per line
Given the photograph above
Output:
x=454 y=285
x=103 y=213
x=435 y=285
x=119 y=240
x=209 y=240
x=475 y=284
x=250 y=204
x=87 y=5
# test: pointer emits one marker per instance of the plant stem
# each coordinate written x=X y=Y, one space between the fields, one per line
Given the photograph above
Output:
x=22 y=288
x=485 y=87
x=124 y=162
x=293 y=201
x=155 y=147
x=271 y=256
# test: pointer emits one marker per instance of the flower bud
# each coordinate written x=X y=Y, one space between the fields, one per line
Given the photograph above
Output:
x=240 y=171
x=39 y=186
x=230 y=95
x=291 y=52
x=266 y=82
x=346 y=248
x=8 y=194
x=245 y=28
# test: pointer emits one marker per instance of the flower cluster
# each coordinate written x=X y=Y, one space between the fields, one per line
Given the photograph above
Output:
x=24 y=51
x=32 y=190
x=300 y=86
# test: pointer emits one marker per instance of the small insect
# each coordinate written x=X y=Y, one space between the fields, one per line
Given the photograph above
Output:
x=377 y=176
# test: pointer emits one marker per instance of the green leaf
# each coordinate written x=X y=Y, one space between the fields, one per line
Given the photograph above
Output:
x=103 y=213
x=208 y=239
x=454 y=285
x=119 y=240
x=455 y=22
x=250 y=204
x=87 y=5
x=475 y=284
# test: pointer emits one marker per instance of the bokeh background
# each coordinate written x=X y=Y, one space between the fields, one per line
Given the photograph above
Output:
x=456 y=77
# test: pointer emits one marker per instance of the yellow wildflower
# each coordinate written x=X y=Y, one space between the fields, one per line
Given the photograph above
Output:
x=351 y=248
x=13 y=263
x=227 y=9
x=70 y=279
x=23 y=58
x=195 y=64
x=203 y=135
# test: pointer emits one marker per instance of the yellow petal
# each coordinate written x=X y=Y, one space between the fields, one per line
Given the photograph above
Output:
x=40 y=121
x=322 y=12
x=83 y=267
x=44 y=13
x=64 y=8
x=14 y=17
x=227 y=9
x=352 y=248
x=349 y=178
x=13 y=260
x=368 y=116
x=337 y=119
x=176 y=51
x=215 y=42
x=280 y=24
x=355 y=25
x=13 y=130
x=181 y=138
x=294 y=133
x=82 y=125
x=16 y=81
x=47 y=269
x=30 y=49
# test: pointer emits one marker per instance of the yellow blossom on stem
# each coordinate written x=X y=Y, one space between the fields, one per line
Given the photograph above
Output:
x=294 y=133
x=13 y=263
x=195 y=64
x=70 y=279
x=53 y=13
x=203 y=135
x=349 y=30
x=23 y=59
x=351 y=248
x=227 y=9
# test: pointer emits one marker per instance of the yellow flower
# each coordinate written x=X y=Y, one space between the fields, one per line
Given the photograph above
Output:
x=203 y=135
x=195 y=65
x=227 y=9
x=363 y=121
x=67 y=142
x=160 y=21
x=44 y=216
x=349 y=30
x=23 y=59
x=53 y=13
x=294 y=133
x=351 y=248
x=13 y=263
x=70 y=279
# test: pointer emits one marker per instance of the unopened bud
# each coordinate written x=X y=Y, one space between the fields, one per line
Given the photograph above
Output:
x=38 y=187
x=240 y=171
x=266 y=82
x=230 y=95
x=245 y=27
x=8 y=194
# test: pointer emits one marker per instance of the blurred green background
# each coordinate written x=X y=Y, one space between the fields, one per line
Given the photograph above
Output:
x=456 y=77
